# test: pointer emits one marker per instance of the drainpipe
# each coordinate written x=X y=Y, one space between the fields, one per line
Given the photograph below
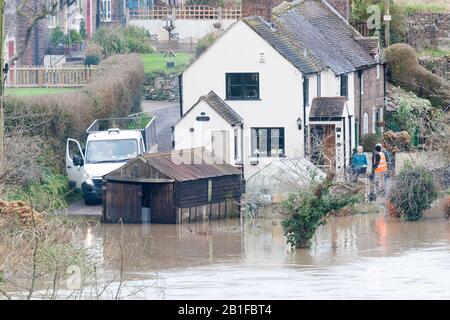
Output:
x=345 y=139
x=305 y=133
x=242 y=150
x=360 y=74
x=180 y=88
x=350 y=133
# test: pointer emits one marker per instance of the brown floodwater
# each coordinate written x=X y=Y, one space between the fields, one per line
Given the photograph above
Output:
x=355 y=257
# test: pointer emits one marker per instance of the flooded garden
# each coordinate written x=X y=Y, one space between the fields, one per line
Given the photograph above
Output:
x=353 y=257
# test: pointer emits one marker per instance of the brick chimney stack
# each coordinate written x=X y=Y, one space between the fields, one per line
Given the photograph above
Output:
x=262 y=8
x=344 y=7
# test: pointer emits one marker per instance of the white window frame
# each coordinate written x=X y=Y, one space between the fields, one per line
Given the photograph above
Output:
x=106 y=11
x=378 y=71
x=362 y=82
x=365 y=124
x=374 y=120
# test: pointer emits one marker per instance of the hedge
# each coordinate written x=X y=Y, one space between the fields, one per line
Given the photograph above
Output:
x=112 y=92
x=404 y=69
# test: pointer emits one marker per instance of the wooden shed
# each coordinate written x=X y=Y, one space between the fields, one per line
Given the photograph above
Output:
x=187 y=186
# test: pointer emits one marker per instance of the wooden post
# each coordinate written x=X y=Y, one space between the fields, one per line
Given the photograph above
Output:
x=2 y=129
x=387 y=29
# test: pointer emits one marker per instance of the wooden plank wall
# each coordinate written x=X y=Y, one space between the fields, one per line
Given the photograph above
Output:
x=123 y=201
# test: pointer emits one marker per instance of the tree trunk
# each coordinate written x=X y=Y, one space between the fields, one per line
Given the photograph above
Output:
x=2 y=122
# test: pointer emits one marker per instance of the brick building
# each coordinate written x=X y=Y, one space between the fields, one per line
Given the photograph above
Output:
x=15 y=31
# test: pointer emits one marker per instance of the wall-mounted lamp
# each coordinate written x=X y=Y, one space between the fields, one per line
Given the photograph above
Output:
x=299 y=123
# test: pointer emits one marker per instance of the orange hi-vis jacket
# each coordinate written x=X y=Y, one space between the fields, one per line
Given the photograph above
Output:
x=382 y=166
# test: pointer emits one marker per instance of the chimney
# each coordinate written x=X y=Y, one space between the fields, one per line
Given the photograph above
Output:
x=262 y=8
x=344 y=7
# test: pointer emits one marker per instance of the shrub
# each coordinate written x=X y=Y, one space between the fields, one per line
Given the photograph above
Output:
x=306 y=210
x=205 y=42
x=117 y=40
x=74 y=36
x=83 y=32
x=413 y=191
x=92 y=59
x=404 y=68
x=136 y=40
x=57 y=36
x=369 y=141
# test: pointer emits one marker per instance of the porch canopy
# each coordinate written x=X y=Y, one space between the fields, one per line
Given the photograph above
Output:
x=328 y=109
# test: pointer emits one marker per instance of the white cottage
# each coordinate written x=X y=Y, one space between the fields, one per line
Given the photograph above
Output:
x=283 y=88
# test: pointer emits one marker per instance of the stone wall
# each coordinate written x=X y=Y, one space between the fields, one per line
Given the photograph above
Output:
x=161 y=87
x=439 y=66
x=428 y=30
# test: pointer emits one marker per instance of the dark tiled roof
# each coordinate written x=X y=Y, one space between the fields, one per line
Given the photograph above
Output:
x=312 y=36
x=327 y=107
x=292 y=51
x=222 y=108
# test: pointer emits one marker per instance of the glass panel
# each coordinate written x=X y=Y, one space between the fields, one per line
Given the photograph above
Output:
x=254 y=135
x=234 y=91
x=262 y=142
x=234 y=79
x=251 y=78
x=251 y=92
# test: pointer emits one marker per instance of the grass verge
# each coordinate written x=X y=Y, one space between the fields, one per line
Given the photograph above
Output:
x=157 y=63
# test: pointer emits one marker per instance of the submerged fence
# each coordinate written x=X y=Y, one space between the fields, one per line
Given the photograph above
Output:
x=41 y=76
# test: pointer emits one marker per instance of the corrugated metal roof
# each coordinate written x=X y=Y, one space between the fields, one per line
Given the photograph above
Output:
x=177 y=165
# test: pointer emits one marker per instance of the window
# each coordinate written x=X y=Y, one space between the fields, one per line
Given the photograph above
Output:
x=210 y=190
x=344 y=85
x=268 y=142
x=366 y=124
x=306 y=91
x=319 y=85
x=242 y=86
x=362 y=83
x=374 y=120
x=106 y=10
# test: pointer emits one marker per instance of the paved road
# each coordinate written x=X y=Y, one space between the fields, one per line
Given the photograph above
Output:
x=167 y=114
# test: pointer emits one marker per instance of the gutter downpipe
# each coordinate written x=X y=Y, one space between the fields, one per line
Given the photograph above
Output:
x=305 y=133
x=360 y=74
x=180 y=88
x=345 y=140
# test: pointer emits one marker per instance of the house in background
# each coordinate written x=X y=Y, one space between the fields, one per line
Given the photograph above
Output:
x=294 y=80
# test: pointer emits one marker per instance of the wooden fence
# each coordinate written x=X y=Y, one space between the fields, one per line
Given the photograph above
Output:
x=188 y=12
x=40 y=76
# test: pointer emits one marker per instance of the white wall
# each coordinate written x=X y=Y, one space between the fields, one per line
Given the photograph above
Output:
x=281 y=89
x=280 y=104
x=202 y=130
x=184 y=27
